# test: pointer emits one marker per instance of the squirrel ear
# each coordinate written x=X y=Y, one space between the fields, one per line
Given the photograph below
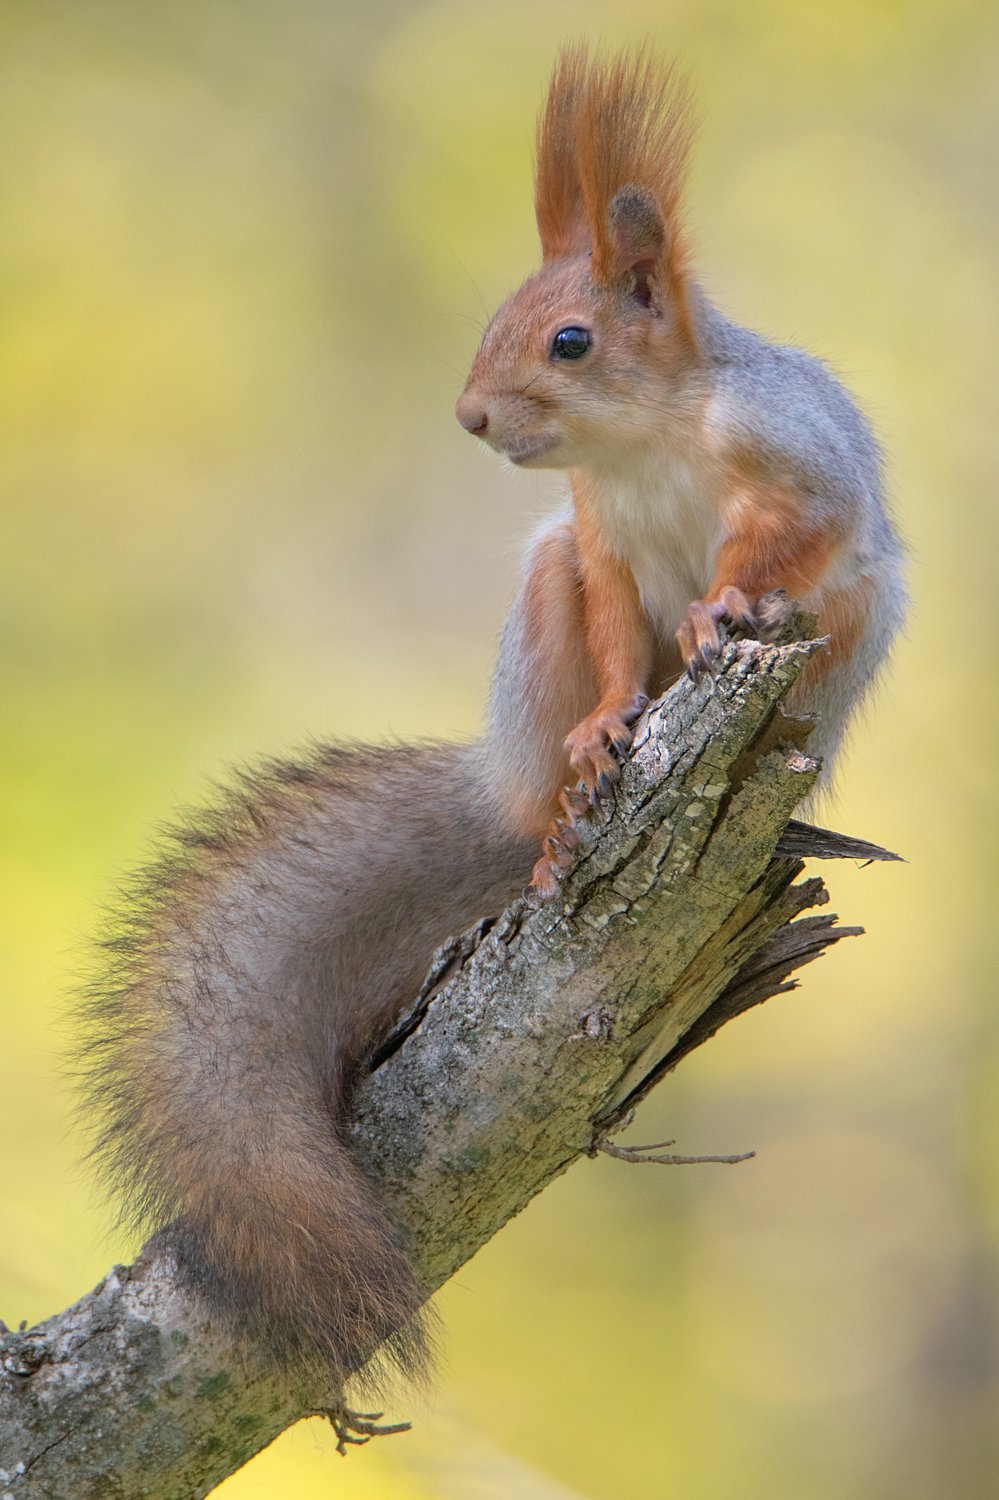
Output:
x=638 y=239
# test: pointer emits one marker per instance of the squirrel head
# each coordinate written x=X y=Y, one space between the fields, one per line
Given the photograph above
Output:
x=581 y=363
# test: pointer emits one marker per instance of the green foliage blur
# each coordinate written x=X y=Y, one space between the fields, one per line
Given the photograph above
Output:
x=246 y=251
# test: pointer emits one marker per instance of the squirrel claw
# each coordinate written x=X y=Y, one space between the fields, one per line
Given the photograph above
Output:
x=700 y=639
x=543 y=885
x=593 y=743
x=557 y=851
x=573 y=803
x=592 y=746
x=605 y=781
x=566 y=833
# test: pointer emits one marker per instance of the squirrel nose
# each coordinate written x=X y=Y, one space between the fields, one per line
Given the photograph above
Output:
x=472 y=416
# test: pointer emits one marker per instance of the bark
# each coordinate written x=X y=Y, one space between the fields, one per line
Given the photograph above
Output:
x=533 y=1038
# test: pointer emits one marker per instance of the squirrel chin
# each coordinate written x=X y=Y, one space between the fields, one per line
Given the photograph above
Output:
x=531 y=451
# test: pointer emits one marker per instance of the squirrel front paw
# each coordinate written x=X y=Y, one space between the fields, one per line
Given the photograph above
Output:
x=700 y=639
x=610 y=727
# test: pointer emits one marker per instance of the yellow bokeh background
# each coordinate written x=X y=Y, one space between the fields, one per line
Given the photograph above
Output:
x=246 y=250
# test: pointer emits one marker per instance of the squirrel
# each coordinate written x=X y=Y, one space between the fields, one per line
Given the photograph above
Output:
x=258 y=963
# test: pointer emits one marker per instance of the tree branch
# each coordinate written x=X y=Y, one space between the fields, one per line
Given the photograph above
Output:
x=533 y=1038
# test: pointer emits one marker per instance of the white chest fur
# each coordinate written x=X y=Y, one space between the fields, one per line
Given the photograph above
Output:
x=665 y=523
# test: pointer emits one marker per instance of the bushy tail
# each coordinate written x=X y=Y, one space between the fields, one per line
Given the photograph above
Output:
x=252 y=970
x=294 y=1251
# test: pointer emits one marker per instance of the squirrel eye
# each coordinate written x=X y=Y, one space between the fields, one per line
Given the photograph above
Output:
x=571 y=343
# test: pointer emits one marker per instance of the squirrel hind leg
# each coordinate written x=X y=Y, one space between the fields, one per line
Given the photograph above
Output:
x=557 y=853
x=558 y=848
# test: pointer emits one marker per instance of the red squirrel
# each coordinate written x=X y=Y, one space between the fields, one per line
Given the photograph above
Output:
x=260 y=961
x=708 y=469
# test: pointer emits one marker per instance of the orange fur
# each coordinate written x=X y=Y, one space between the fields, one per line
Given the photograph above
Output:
x=774 y=544
x=618 y=635
x=616 y=641
x=610 y=124
x=844 y=617
x=560 y=674
x=558 y=192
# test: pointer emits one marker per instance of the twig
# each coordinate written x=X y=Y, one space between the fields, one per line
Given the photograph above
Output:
x=653 y=1153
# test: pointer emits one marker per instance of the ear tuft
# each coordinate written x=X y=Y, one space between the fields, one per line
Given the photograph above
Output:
x=613 y=142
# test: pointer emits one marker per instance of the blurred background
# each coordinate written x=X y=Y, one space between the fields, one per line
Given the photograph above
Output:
x=245 y=255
